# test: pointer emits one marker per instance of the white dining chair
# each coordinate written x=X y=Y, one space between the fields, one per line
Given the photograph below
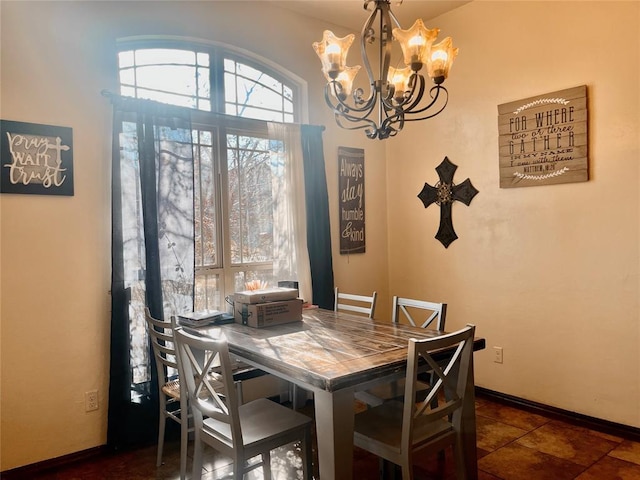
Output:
x=240 y=432
x=395 y=430
x=162 y=341
x=361 y=304
x=418 y=313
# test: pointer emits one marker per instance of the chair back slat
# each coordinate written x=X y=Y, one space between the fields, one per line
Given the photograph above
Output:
x=350 y=302
x=161 y=335
x=413 y=311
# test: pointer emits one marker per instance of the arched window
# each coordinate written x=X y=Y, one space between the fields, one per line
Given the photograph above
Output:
x=211 y=79
x=233 y=96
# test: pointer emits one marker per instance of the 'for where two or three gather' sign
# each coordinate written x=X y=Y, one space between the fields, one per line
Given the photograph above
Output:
x=543 y=139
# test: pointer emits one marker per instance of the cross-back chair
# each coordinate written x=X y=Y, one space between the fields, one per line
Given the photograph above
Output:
x=173 y=405
x=419 y=313
x=238 y=431
x=395 y=430
x=350 y=302
x=414 y=312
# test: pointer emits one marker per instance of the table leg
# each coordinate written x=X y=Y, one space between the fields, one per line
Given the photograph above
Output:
x=334 y=430
x=469 y=427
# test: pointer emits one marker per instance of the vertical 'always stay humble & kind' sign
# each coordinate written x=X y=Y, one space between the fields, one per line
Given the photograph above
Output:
x=351 y=201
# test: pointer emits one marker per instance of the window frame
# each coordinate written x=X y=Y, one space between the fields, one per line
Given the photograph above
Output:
x=221 y=124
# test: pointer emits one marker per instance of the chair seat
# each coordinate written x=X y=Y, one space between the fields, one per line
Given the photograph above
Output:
x=390 y=391
x=382 y=425
x=260 y=420
x=172 y=389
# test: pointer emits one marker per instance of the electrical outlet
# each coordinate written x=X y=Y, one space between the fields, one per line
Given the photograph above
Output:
x=91 y=401
x=497 y=354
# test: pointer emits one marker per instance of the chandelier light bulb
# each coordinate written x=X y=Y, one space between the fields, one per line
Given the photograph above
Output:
x=333 y=51
x=440 y=60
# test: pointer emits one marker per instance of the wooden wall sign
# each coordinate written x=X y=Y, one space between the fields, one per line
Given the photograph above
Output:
x=543 y=139
x=351 y=202
x=36 y=159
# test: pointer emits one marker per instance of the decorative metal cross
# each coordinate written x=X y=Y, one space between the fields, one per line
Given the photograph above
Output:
x=444 y=194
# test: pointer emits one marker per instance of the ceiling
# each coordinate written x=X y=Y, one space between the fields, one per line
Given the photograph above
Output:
x=351 y=13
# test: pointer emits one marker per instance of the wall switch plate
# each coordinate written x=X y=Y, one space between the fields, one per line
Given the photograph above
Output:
x=497 y=354
x=91 y=401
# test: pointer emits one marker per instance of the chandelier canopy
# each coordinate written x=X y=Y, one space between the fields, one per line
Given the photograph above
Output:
x=396 y=95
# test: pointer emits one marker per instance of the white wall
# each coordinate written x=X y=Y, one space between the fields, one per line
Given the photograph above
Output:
x=549 y=273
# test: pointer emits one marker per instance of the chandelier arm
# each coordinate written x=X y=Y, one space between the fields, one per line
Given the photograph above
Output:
x=386 y=39
x=345 y=113
x=388 y=125
x=341 y=112
x=438 y=89
x=337 y=105
x=332 y=99
x=359 y=125
x=366 y=36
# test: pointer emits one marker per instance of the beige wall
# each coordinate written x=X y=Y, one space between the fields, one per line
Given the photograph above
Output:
x=55 y=272
x=536 y=269
x=549 y=273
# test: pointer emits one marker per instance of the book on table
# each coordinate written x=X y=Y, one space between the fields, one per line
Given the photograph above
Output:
x=204 y=317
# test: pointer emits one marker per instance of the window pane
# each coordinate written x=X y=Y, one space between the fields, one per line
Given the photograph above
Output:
x=250 y=200
x=204 y=87
x=127 y=91
x=257 y=76
x=206 y=218
x=151 y=56
x=256 y=113
x=209 y=292
x=256 y=94
x=287 y=93
x=125 y=59
x=250 y=93
x=164 y=97
x=242 y=278
x=230 y=88
x=127 y=76
x=203 y=59
x=170 y=78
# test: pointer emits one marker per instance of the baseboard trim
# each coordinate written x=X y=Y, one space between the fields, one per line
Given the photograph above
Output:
x=30 y=471
x=618 y=429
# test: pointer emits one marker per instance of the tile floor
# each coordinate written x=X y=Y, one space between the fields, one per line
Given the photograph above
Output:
x=513 y=444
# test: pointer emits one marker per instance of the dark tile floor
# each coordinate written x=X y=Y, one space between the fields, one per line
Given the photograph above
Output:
x=512 y=445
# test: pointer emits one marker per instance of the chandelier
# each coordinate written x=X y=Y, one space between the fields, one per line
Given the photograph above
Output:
x=397 y=94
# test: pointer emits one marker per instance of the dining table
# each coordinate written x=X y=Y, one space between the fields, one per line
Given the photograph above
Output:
x=334 y=355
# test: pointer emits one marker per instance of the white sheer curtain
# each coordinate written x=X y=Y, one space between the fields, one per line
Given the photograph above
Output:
x=291 y=257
